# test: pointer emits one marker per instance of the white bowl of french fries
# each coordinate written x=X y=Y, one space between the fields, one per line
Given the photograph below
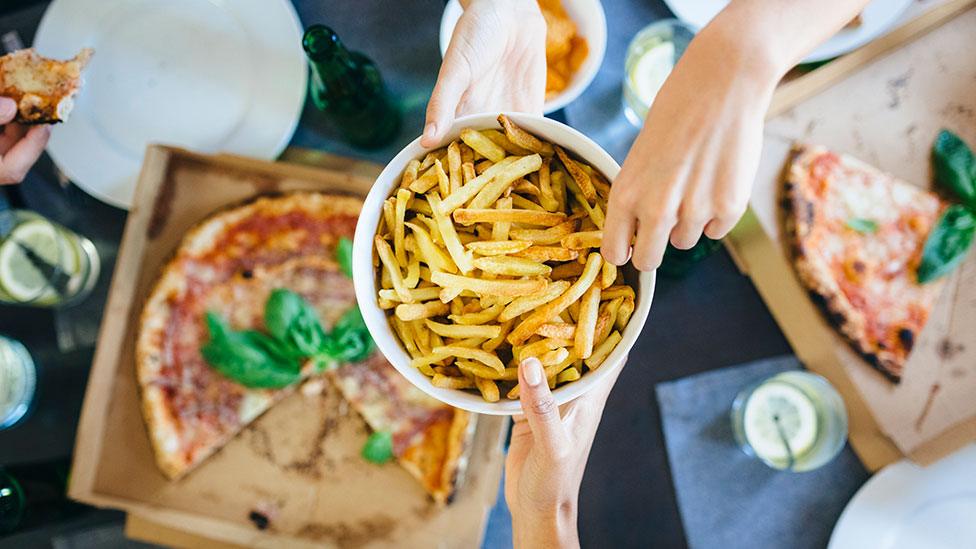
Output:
x=484 y=251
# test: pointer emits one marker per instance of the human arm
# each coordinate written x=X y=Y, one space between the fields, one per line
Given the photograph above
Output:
x=496 y=61
x=691 y=168
x=546 y=459
x=20 y=146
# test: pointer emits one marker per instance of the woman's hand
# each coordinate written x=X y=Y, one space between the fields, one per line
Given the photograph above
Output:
x=691 y=169
x=546 y=459
x=496 y=62
x=20 y=146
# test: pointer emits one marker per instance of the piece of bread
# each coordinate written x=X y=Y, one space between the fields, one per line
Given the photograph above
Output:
x=43 y=88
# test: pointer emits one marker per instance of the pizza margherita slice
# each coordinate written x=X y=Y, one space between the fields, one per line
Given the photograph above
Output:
x=857 y=236
x=43 y=88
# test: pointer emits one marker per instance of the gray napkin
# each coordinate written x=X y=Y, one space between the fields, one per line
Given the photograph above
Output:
x=728 y=499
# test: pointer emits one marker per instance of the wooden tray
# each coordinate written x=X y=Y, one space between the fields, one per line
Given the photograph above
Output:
x=298 y=464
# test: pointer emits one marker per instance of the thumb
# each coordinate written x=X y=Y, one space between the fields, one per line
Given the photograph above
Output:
x=540 y=408
x=8 y=109
x=452 y=81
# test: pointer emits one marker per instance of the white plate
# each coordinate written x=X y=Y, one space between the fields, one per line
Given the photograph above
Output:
x=208 y=75
x=877 y=17
x=907 y=506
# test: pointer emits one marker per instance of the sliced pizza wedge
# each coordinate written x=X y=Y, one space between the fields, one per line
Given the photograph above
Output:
x=857 y=237
x=429 y=437
x=43 y=88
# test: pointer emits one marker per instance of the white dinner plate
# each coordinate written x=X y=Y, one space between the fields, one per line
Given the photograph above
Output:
x=208 y=75
x=877 y=17
x=906 y=506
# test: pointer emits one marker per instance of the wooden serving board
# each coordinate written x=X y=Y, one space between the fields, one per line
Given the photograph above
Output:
x=299 y=464
x=887 y=113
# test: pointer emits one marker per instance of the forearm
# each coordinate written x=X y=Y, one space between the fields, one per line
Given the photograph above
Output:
x=557 y=530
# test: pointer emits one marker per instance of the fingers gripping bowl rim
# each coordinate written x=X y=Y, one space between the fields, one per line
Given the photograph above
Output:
x=366 y=283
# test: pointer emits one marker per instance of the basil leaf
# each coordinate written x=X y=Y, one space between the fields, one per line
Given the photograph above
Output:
x=378 y=448
x=946 y=245
x=861 y=225
x=344 y=255
x=351 y=341
x=247 y=357
x=294 y=322
x=955 y=166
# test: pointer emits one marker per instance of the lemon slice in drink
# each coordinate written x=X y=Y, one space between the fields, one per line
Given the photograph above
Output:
x=18 y=277
x=651 y=70
x=796 y=415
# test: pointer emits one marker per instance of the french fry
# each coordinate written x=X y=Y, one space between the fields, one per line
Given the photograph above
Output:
x=499 y=139
x=418 y=294
x=488 y=389
x=494 y=189
x=469 y=216
x=488 y=359
x=468 y=191
x=522 y=138
x=453 y=168
x=623 y=313
x=481 y=167
x=432 y=254
x=483 y=316
x=523 y=186
x=406 y=337
x=608 y=274
x=467 y=155
x=482 y=145
x=584 y=240
x=579 y=175
x=554 y=358
x=560 y=330
x=389 y=212
x=498 y=247
x=393 y=268
x=417 y=311
x=443 y=182
x=413 y=273
x=567 y=270
x=525 y=303
x=467 y=173
x=558 y=183
x=399 y=211
x=541 y=347
x=511 y=266
x=477 y=369
x=448 y=295
x=409 y=174
x=499 y=231
x=387 y=304
x=567 y=375
x=548 y=311
x=589 y=311
x=526 y=204
x=546 y=197
x=614 y=292
x=547 y=253
x=446 y=382
x=600 y=353
x=543 y=237
x=427 y=181
x=429 y=159
x=604 y=324
x=450 y=330
x=490 y=287
x=451 y=241
x=594 y=211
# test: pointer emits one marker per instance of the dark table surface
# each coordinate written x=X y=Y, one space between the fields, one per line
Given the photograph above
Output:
x=711 y=319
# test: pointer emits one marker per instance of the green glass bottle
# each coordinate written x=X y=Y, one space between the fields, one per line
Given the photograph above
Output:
x=33 y=495
x=678 y=263
x=346 y=86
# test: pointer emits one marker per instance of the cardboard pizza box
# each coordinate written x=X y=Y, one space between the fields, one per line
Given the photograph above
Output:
x=885 y=109
x=298 y=466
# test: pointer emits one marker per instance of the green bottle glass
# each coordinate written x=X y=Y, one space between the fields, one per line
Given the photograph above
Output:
x=33 y=495
x=347 y=86
x=678 y=263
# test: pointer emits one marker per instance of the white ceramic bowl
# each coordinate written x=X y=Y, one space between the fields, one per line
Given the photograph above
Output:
x=364 y=275
x=591 y=23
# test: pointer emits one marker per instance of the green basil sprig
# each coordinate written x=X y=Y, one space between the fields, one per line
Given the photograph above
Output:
x=250 y=358
x=955 y=169
x=378 y=448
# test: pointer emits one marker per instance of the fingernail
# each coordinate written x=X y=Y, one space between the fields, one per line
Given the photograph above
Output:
x=532 y=372
x=430 y=130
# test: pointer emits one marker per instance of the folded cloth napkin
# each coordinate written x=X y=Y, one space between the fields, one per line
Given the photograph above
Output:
x=728 y=499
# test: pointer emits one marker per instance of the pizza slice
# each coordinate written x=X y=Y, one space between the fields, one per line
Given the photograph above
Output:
x=857 y=237
x=429 y=437
x=43 y=88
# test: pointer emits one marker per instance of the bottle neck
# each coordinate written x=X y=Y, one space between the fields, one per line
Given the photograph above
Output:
x=333 y=66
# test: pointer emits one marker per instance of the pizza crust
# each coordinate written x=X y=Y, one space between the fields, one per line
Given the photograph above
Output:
x=43 y=88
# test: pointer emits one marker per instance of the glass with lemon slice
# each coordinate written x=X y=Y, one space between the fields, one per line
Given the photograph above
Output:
x=651 y=56
x=793 y=420
x=42 y=263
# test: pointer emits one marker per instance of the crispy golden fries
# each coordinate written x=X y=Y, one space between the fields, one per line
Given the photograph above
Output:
x=488 y=253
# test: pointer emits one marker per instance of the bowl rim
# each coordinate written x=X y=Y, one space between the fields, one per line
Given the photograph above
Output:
x=583 y=77
x=365 y=279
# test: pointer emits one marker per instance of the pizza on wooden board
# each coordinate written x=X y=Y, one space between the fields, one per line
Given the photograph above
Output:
x=857 y=237
x=43 y=88
x=229 y=264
